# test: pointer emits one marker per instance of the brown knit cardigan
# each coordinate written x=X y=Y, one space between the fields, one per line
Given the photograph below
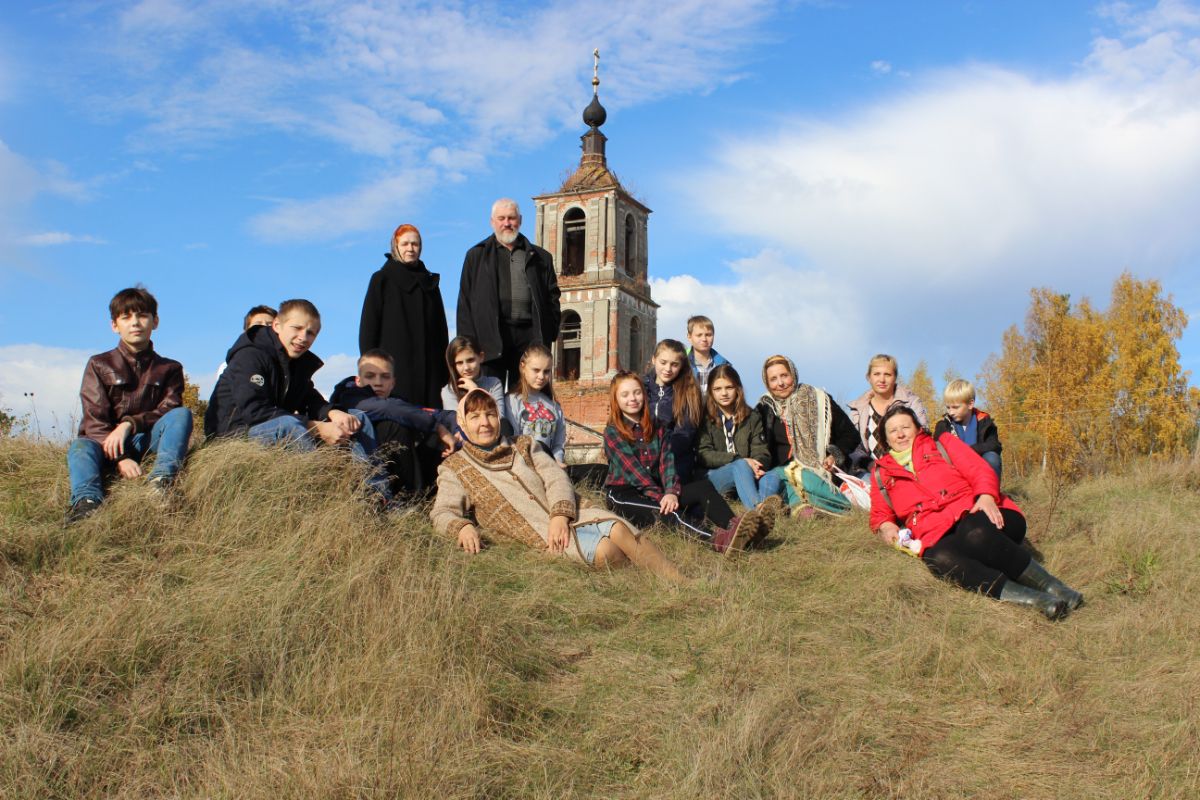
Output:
x=512 y=490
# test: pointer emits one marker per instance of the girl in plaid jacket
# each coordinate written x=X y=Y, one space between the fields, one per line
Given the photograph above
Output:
x=642 y=484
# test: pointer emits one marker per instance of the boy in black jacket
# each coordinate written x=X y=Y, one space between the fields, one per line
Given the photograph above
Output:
x=266 y=391
x=970 y=424
x=408 y=436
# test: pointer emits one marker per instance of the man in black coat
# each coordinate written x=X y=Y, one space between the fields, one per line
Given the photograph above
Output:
x=508 y=295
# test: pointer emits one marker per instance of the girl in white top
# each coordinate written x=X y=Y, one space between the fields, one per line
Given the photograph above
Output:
x=531 y=408
x=464 y=360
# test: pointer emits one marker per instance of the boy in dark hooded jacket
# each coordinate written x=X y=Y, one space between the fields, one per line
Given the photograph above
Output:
x=266 y=392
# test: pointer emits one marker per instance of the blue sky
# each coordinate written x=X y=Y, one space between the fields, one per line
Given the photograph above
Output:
x=828 y=179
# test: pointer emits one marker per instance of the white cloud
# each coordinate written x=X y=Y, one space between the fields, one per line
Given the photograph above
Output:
x=881 y=67
x=420 y=87
x=361 y=209
x=21 y=182
x=42 y=383
x=337 y=367
x=758 y=313
x=52 y=238
x=935 y=210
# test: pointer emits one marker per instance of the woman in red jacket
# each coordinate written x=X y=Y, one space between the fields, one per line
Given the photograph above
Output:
x=945 y=502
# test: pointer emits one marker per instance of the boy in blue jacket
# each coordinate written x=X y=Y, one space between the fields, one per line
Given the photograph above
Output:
x=974 y=426
x=702 y=356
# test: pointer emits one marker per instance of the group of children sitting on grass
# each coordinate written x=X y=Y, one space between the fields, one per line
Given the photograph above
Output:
x=678 y=440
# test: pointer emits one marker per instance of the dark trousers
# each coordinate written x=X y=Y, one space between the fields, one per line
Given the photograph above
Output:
x=977 y=555
x=699 y=497
x=590 y=476
x=506 y=366
x=410 y=460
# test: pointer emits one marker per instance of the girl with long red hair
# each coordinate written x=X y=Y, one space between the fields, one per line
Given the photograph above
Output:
x=642 y=484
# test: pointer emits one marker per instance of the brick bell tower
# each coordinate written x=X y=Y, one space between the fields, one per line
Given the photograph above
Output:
x=596 y=232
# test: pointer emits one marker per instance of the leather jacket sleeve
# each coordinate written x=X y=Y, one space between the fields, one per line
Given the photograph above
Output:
x=97 y=421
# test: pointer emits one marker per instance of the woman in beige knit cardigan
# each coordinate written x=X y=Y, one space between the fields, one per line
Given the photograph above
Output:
x=517 y=490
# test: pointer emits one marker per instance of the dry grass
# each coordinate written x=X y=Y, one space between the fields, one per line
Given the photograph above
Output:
x=261 y=639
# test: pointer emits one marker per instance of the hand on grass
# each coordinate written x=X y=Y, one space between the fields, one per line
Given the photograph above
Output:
x=560 y=534
x=128 y=468
x=888 y=533
x=114 y=444
x=668 y=504
x=468 y=539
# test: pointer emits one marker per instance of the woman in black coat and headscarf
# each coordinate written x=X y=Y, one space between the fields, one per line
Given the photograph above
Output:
x=403 y=314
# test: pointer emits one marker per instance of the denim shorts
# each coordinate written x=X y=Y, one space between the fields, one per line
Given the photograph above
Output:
x=590 y=534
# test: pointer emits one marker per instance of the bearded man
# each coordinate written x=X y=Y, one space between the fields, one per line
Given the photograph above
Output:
x=508 y=295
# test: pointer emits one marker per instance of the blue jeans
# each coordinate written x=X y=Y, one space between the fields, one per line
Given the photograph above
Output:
x=291 y=432
x=739 y=475
x=86 y=462
x=993 y=460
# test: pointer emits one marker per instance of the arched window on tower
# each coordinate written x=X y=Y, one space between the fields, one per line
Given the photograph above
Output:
x=574 y=227
x=635 y=345
x=569 y=343
x=631 y=262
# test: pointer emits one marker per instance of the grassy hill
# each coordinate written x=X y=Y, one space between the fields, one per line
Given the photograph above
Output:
x=260 y=639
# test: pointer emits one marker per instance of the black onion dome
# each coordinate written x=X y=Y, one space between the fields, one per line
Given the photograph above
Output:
x=594 y=115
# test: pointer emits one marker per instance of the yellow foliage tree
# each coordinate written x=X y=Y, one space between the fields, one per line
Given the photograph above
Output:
x=1080 y=389
x=193 y=401
x=922 y=386
x=1152 y=410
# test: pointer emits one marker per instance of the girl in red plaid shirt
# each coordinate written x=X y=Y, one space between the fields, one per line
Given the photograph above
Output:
x=642 y=485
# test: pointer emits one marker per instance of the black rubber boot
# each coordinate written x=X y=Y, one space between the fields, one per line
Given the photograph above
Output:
x=1036 y=576
x=1053 y=607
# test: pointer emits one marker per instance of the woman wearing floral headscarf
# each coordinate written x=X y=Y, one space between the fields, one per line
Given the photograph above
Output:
x=519 y=492
x=806 y=431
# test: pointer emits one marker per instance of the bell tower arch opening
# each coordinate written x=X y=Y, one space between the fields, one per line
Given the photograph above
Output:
x=570 y=341
x=629 y=256
x=574 y=237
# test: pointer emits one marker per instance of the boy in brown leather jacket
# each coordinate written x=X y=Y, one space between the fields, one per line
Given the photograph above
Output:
x=132 y=405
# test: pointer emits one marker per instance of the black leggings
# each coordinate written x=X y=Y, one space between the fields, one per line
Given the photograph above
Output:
x=698 y=496
x=977 y=555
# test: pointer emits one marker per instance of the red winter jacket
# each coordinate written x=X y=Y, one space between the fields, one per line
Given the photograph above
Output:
x=930 y=501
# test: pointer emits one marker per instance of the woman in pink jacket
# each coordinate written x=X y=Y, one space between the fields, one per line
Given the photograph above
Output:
x=942 y=502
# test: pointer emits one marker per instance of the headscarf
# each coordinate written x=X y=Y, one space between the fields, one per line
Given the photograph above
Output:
x=403 y=229
x=807 y=418
x=462 y=416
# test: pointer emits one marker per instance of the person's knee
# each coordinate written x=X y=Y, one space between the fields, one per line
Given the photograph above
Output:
x=1014 y=524
x=285 y=430
x=977 y=535
x=622 y=535
x=177 y=416
x=609 y=554
x=85 y=448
